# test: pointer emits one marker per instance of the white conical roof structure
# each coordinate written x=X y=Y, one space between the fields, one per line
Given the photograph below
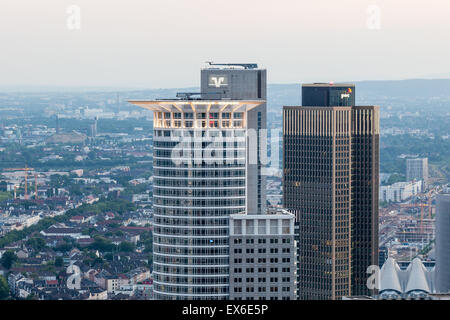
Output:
x=417 y=279
x=389 y=279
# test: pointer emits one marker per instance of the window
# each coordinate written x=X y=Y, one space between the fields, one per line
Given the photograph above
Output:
x=273 y=226
x=262 y=227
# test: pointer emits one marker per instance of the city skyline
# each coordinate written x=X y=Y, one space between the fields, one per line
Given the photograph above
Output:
x=184 y=201
x=212 y=151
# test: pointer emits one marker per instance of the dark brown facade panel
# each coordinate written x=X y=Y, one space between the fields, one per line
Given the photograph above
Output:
x=330 y=172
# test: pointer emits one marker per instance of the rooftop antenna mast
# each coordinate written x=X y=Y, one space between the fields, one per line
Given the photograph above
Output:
x=244 y=65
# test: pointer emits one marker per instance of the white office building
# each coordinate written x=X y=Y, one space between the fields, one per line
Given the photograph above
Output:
x=400 y=191
x=417 y=169
x=263 y=256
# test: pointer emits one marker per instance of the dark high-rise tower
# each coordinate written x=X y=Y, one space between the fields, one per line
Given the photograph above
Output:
x=331 y=185
x=328 y=95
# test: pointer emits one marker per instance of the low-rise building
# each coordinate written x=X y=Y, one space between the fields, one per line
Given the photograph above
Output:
x=400 y=191
x=63 y=232
x=262 y=256
x=414 y=282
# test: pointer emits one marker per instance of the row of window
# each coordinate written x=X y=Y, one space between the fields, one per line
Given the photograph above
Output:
x=174 y=241
x=238 y=270
x=262 y=280
x=199 y=193
x=261 y=250
x=238 y=182
x=200 y=115
x=227 y=173
x=199 y=202
x=262 y=240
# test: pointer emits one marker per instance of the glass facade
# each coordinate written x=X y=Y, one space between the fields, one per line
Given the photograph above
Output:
x=200 y=172
x=331 y=185
x=328 y=95
x=192 y=203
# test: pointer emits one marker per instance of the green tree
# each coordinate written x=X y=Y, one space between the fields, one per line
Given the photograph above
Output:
x=109 y=256
x=65 y=247
x=98 y=262
x=59 y=262
x=4 y=288
x=119 y=233
x=5 y=196
x=126 y=246
x=36 y=243
x=8 y=259
x=102 y=244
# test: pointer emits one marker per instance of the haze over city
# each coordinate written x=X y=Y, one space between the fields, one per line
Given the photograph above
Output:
x=163 y=43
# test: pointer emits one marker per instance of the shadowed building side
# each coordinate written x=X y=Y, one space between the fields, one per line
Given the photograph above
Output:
x=330 y=184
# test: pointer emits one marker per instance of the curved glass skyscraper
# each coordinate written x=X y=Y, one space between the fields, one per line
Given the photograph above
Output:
x=205 y=167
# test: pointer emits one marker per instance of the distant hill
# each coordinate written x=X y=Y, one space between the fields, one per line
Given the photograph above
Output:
x=367 y=92
x=415 y=88
x=290 y=94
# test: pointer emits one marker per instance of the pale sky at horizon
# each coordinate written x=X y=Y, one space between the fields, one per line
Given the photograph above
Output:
x=164 y=43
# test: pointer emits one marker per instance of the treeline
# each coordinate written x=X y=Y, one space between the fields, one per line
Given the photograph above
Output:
x=43 y=224
x=119 y=206
x=437 y=151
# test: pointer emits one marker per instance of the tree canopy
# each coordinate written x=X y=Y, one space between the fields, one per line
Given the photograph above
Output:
x=8 y=259
x=4 y=288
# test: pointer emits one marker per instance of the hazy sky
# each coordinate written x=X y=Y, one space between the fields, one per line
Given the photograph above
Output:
x=164 y=43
